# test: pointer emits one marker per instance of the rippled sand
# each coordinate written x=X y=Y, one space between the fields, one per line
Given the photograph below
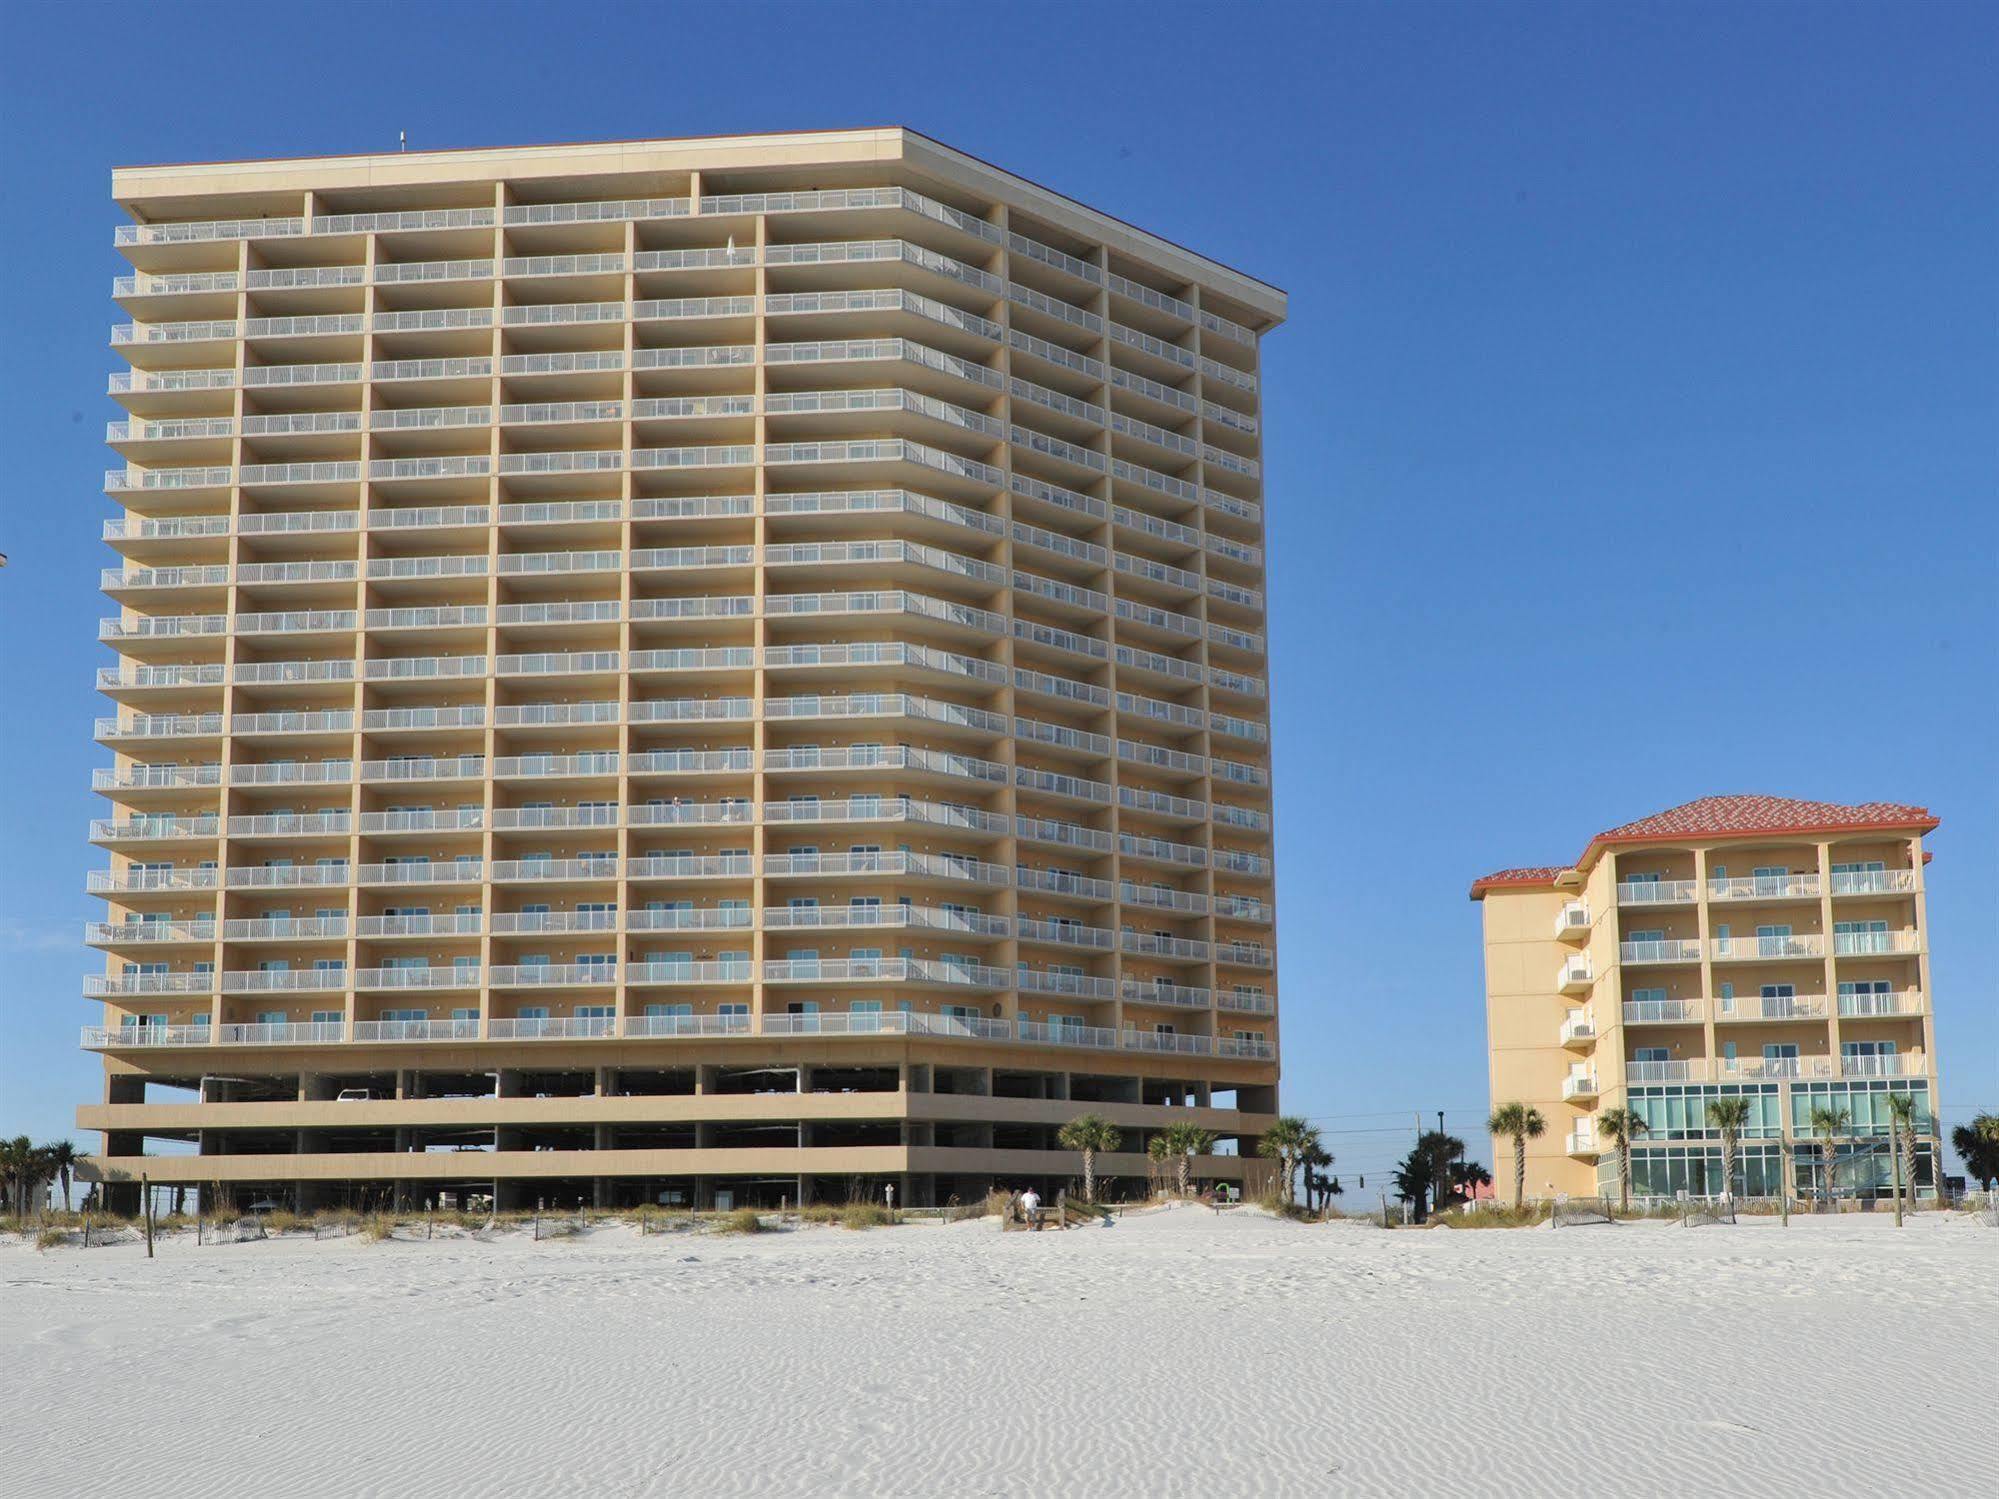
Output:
x=1177 y=1353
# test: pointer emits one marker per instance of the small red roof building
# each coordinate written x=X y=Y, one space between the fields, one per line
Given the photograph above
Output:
x=1724 y=817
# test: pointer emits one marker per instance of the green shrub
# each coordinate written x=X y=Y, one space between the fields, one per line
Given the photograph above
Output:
x=52 y=1238
x=741 y=1221
x=859 y=1215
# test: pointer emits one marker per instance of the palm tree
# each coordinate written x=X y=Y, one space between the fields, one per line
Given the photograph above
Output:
x=1729 y=1116
x=1829 y=1125
x=1318 y=1186
x=1288 y=1140
x=1521 y=1122
x=1621 y=1127
x=1902 y=1141
x=1184 y=1142
x=17 y=1164
x=62 y=1160
x=1087 y=1134
x=1977 y=1143
x=1159 y=1150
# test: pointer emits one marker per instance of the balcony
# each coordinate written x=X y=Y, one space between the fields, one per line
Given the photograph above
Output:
x=1770 y=1007
x=1874 y=882
x=1670 y=950
x=1883 y=1066
x=539 y=1028
x=537 y=975
x=1572 y=923
x=1658 y=893
x=125 y=985
x=1729 y=1069
x=1876 y=944
x=1880 y=1006
x=1766 y=949
x=605 y=1027
x=1582 y=1142
x=461 y=1029
x=455 y=976
x=1579 y=1085
x=1576 y=976
x=302 y=981
x=1694 y=1071
x=1662 y=1012
x=1765 y=887
x=120 y=933
x=285 y=929
x=682 y=971
x=1579 y=1029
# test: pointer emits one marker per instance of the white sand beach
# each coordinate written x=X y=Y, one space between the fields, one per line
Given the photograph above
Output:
x=1176 y=1353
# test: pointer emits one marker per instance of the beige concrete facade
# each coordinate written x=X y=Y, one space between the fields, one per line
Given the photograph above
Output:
x=677 y=667
x=1665 y=969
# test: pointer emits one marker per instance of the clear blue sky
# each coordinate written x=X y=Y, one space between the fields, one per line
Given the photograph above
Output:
x=1632 y=437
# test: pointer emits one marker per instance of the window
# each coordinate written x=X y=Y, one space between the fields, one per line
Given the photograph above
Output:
x=1652 y=1054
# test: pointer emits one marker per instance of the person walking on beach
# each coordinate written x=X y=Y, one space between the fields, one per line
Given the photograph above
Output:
x=1030 y=1204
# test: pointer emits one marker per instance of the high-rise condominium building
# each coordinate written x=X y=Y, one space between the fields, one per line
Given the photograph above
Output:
x=705 y=671
x=1746 y=946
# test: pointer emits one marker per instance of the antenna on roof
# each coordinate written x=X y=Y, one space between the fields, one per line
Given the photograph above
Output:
x=403 y=139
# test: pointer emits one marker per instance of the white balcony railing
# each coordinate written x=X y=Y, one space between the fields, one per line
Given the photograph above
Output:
x=1874 y=882
x=1767 y=948
x=1770 y=1007
x=1880 y=1006
x=599 y=1027
x=1666 y=1072
x=1765 y=887
x=1875 y=944
x=1852 y=1065
x=1670 y=950
x=1773 y=1067
x=1661 y=1011
x=1657 y=893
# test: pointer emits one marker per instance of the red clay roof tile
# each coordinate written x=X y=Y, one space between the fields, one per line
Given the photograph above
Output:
x=1729 y=816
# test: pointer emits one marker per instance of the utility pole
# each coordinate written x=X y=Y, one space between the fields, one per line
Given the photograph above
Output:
x=1417 y=1149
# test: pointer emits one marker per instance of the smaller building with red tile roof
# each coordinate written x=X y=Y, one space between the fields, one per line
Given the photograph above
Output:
x=1740 y=816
